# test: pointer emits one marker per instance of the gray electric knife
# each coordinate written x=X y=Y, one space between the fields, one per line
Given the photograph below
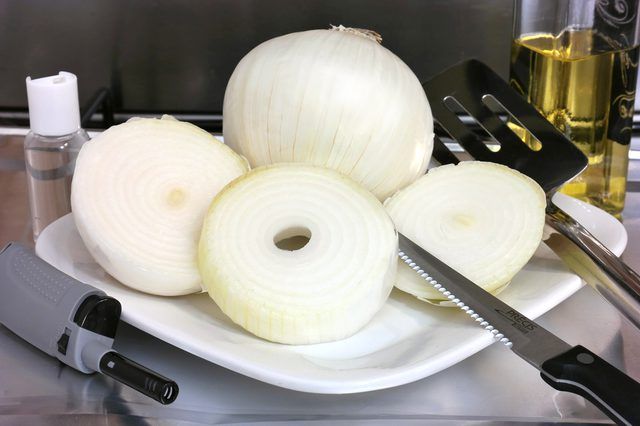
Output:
x=566 y=368
x=70 y=320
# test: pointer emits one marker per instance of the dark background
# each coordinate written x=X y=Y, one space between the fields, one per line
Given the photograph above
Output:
x=176 y=56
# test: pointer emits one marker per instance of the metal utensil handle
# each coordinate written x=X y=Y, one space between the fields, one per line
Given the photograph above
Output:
x=596 y=264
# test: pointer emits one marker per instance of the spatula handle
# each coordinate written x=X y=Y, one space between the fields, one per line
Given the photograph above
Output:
x=593 y=262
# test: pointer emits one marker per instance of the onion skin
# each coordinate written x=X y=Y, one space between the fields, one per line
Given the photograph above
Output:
x=330 y=98
x=484 y=220
x=139 y=195
x=324 y=291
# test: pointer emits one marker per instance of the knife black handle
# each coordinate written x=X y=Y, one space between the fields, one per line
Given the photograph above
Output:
x=582 y=372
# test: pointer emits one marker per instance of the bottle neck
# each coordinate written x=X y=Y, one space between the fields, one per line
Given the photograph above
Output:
x=71 y=141
x=80 y=132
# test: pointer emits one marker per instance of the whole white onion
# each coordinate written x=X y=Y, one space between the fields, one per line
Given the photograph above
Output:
x=334 y=98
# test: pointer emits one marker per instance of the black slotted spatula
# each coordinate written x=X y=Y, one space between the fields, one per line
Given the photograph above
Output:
x=472 y=88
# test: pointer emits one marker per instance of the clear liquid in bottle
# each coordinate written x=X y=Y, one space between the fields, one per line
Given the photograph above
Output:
x=50 y=162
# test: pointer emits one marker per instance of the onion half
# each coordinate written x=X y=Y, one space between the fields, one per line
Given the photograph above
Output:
x=336 y=272
x=139 y=194
x=483 y=219
x=333 y=98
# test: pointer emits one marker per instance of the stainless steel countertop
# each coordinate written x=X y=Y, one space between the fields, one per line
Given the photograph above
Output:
x=492 y=386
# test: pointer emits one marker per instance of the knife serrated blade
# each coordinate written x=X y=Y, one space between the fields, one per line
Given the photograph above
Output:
x=573 y=369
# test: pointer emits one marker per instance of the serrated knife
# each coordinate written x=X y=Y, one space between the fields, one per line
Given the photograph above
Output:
x=566 y=368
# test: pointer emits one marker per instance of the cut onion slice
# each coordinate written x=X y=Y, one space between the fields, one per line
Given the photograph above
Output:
x=484 y=220
x=139 y=195
x=298 y=254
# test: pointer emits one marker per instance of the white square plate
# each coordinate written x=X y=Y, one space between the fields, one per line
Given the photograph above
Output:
x=406 y=341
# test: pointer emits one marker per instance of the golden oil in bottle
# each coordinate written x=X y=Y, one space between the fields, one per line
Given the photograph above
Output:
x=586 y=88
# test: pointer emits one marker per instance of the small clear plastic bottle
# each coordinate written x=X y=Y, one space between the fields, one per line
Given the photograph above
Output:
x=52 y=146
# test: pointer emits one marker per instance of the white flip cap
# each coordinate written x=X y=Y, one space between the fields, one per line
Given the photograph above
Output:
x=53 y=104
